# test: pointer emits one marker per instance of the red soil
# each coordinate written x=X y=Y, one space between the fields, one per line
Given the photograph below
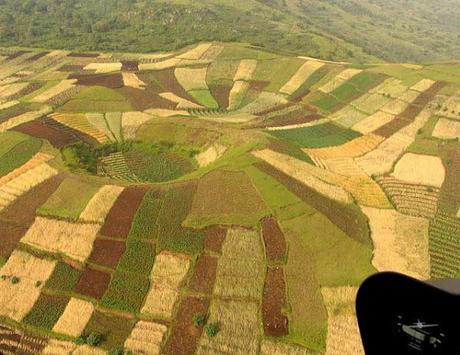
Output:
x=204 y=276
x=39 y=129
x=184 y=335
x=121 y=215
x=214 y=239
x=10 y=234
x=274 y=300
x=93 y=283
x=107 y=252
x=275 y=243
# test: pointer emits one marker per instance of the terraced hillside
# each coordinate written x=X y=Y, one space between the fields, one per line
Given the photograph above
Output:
x=216 y=199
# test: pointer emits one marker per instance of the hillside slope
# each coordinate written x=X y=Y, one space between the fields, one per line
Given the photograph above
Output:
x=358 y=30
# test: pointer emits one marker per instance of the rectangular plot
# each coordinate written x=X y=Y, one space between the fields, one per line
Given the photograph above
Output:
x=275 y=243
x=100 y=204
x=302 y=74
x=92 y=283
x=118 y=221
x=72 y=239
x=46 y=311
x=192 y=78
x=17 y=299
x=274 y=301
x=146 y=338
x=74 y=318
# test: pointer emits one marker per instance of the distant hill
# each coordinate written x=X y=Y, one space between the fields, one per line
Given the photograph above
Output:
x=357 y=30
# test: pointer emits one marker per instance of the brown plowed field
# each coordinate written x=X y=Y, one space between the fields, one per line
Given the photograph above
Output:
x=111 y=81
x=129 y=65
x=70 y=68
x=214 y=239
x=83 y=55
x=168 y=81
x=93 y=283
x=22 y=210
x=143 y=99
x=184 y=335
x=39 y=129
x=221 y=94
x=47 y=121
x=107 y=252
x=204 y=276
x=10 y=234
x=118 y=221
x=275 y=243
x=30 y=88
x=36 y=56
x=347 y=217
x=274 y=299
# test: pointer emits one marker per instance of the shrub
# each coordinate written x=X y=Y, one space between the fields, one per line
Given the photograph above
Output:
x=211 y=329
x=199 y=320
x=94 y=339
x=15 y=280
x=117 y=351
x=80 y=340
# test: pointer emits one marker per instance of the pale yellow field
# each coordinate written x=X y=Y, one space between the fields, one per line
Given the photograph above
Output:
x=270 y=347
x=450 y=107
x=239 y=328
x=447 y=129
x=16 y=300
x=132 y=80
x=24 y=182
x=168 y=273
x=338 y=80
x=165 y=64
x=161 y=112
x=11 y=89
x=245 y=70
x=131 y=121
x=97 y=120
x=72 y=239
x=8 y=104
x=370 y=103
x=35 y=161
x=79 y=122
x=307 y=174
x=382 y=159
x=304 y=72
x=423 y=85
x=409 y=96
x=239 y=88
x=192 y=78
x=103 y=67
x=146 y=338
x=55 y=90
x=354 y=148
x=348 y=116
x=212 y=53
x=395 y=107
x=210 y=155
x=196 y=52
x=75 y=317
x=420 y=169
x=343 y=337
x=390 y=87
x=101 y=203
x=180 y=101
x=61 y=347
x=400 y=242
x=23 y=118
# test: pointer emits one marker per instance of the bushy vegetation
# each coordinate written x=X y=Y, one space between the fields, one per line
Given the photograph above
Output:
x=64 y=278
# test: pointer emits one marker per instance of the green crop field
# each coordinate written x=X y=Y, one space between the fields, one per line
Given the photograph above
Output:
x=232 y=181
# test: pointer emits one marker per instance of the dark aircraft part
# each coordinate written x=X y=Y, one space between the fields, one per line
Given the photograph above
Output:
x=399 y=315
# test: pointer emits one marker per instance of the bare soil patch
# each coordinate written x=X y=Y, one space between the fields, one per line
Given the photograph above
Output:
x=111 y=81
x=93 y=283
x=39 y=129
x=274 y=299
x=204 y=276
x=275 y=243
x=221 y=93
x=16 y=54
x=22 y=210
x=118 y=221
x=129 y=65
x=70 y=68
x=168 y=81
x=36 y=56
x=11 y=234
x=214 y=239
x=184 y=335
x=141 y=100
x=107 y=252
x=49 y=122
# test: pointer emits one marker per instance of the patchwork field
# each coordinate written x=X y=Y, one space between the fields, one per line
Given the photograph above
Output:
x=216 y=198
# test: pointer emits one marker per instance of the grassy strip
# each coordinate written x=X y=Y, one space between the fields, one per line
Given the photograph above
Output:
x=144 y=226
x=19 y=155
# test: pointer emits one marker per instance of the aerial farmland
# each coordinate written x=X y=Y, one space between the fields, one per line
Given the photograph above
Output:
x=217 y=199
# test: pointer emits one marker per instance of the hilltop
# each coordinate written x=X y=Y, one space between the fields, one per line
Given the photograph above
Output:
x=216 y=198
x=358 y=30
